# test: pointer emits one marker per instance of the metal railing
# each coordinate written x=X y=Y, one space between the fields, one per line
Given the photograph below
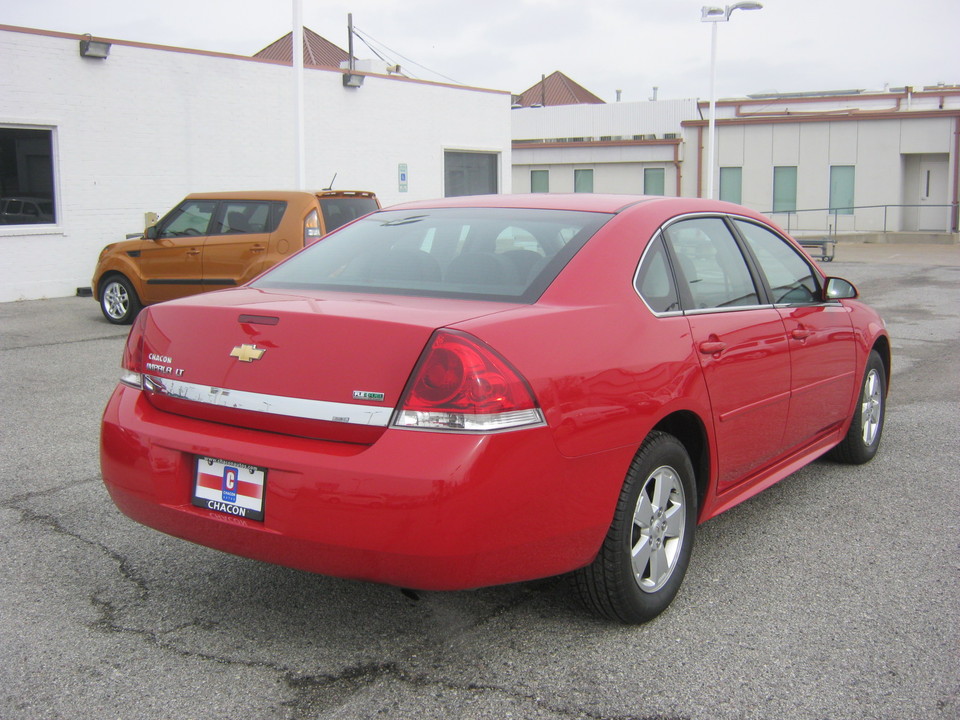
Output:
x=867 y=218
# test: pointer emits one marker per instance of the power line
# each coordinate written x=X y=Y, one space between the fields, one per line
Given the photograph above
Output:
x=367 y=39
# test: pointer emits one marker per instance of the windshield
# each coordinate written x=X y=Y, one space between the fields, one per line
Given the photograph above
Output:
x=505 y=254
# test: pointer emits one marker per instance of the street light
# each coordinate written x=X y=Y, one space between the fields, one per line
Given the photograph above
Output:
x=712 y=14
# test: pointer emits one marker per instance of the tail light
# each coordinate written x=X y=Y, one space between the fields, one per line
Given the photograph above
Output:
x=462 y=384
x=132 y=362
x=311 y=228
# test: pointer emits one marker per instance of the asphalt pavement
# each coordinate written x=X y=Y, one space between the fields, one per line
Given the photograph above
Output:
x=833 y=595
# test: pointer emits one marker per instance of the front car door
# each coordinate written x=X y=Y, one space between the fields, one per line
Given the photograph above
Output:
x=170 y=264
x=822 y=343
x=740 y=341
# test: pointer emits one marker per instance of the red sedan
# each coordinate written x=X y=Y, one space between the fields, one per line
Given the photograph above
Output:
x=476 y=391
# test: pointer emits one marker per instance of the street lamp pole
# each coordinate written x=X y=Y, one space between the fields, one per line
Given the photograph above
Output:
x=716 y=15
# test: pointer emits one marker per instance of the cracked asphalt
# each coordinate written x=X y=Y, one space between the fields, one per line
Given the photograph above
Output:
x=833 y=595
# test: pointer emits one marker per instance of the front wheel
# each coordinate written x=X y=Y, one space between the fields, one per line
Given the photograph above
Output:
x=863 y=438
x=644 y=557
x=118 y=300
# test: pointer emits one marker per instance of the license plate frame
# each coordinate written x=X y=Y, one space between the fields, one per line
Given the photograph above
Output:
x=231 y=488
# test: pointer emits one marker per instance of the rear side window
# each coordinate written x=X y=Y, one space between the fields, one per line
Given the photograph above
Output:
x=339 y=211
x=654 y=280
x=711 y=264
x=247 y=216
x=479 y=253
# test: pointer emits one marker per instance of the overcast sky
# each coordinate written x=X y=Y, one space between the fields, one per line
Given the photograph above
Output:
x=605 y=45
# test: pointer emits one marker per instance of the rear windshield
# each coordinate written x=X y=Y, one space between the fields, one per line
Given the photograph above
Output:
x=471 y=253
x=339 y=211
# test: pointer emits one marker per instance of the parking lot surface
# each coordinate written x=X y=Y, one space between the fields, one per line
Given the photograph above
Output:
x=835 y=594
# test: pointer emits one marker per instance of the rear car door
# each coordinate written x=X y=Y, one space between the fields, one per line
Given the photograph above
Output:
x=741 y=344
x=171 y=264
x=236 y=249
x=820 y=334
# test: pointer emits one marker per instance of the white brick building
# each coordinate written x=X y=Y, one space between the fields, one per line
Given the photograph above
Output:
x=110 y=139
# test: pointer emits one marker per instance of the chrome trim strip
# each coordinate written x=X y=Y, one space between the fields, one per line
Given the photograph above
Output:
x=271 y=404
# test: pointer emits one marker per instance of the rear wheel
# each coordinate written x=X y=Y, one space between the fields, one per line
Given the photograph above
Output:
x=863 y=438
x=644 y=557
x=118 y=300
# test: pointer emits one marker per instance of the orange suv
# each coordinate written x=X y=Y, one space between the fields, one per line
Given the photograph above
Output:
x=216 y=240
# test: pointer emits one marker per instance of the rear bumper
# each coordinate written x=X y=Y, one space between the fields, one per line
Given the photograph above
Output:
x=424 y=510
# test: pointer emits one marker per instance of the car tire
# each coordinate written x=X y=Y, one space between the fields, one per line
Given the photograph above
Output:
x=118 y=300
x=644 y=556
x=863 y=437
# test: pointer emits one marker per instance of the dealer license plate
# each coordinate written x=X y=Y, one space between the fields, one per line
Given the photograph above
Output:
x=229 y=487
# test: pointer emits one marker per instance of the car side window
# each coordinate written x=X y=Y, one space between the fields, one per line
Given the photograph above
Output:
x=790 y=277
x=189 y=219
x=711 y=264
x=244 y=216
x=654 y=280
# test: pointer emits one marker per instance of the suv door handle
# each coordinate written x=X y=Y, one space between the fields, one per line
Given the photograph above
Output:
x=193 y=251
x=257 y=248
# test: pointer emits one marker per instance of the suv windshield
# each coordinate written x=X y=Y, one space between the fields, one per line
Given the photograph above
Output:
x=506 y=254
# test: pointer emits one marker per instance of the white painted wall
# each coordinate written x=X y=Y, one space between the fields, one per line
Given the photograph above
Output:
x=141 y=129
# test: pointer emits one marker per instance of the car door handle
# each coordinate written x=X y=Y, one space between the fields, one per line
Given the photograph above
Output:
x=257 y=248
x=712 y=347
x=193 y=251
x=800 y=333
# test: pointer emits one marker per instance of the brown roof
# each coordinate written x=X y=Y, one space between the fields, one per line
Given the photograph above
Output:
x=317 y=51
x=556 y=89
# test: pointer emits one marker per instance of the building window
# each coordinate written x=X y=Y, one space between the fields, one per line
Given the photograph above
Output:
x=540 y=181
x=653 y=181
x=731 y=184
x=841 y=189
x=583 y=181
x=26 y=177
x=470 y=173
x=785 y=189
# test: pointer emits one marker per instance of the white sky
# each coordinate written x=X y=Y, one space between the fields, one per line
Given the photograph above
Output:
x=605 y=45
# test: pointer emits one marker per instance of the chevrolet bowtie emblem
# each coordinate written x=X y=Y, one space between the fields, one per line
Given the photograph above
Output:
x=247 y=353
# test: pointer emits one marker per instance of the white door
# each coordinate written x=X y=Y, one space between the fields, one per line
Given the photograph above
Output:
x=934 y=211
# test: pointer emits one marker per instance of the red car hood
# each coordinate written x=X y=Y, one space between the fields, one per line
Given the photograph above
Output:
x=327 y=365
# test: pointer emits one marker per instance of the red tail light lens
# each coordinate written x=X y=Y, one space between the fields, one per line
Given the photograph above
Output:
x=462 y=384
x=132 y=362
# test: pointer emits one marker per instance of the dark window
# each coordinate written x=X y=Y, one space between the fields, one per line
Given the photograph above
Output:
x=711 y=263
x=470 y=173
x=246 y=216
x=190 y=218
x=583 y=181
x=539 y=181
x=654 y=181
x=655 y=280
x=789 y=277
x=26 y=177
x=482 y=253
x=339 y=211
x=731 y=184
x=785 y=189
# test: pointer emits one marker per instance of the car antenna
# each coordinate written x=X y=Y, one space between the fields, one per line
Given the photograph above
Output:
x=330 y=187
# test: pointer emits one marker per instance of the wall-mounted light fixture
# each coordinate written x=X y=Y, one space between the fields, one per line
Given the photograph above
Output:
x=90 y=48
x=352 y=81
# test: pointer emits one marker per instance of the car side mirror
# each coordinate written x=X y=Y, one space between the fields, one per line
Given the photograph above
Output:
x=150 y=233
x=840 y=289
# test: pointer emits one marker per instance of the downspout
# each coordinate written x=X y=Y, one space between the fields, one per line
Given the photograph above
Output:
x=956 y=174
x=676 y=164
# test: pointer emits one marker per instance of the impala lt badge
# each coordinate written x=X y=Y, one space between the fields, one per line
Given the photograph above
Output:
x=247 y=353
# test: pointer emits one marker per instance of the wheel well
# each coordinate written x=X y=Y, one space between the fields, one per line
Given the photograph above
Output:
x=686 y=427
x=106 y=278
x=882 y=346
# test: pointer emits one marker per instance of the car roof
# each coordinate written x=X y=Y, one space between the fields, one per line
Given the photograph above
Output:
x=585 y=202
x=278 y=194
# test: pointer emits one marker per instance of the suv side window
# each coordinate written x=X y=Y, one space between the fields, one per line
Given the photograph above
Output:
x=654 y=279
x=191 y=218
x=245 y=216
x=711 y=263
x=789 y=276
